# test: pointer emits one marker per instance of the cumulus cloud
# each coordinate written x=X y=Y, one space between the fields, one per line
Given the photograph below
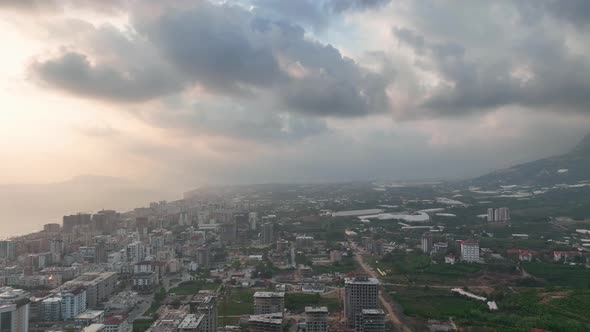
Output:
x=229 y=51
x=533 y=66
x=74 y=72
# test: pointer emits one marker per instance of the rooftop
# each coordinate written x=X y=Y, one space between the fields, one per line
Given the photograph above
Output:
x=269 y=294
x=373 y=312
x=90 y=314
x=191 y=321
x=316 y=309
x=361 y=280
x=276 y=318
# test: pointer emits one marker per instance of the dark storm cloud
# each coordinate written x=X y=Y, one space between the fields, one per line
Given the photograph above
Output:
x=550 y=77
x=230 y=52
x=575 y=12
x=223 y=48
x=74 y=72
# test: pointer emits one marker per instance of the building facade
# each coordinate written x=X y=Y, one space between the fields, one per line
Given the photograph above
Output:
x=316 y=319
x=269 y=302
x=359 y=293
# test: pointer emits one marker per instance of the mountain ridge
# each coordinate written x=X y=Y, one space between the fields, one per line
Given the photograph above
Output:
x=567 y=168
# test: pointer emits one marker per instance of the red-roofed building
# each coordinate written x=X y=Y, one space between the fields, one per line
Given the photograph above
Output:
x=117 y=323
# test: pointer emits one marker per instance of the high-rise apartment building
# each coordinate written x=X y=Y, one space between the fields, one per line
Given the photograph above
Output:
x=8 y=317
x=8 y=250
x=427 y=243
x=267 y=233
x=304 y=242
x=203 y=257
x=359 y=293
x=253 y=220
x=206 y=306
x=73 y=303
x=20 y=313
x=498 y=215
x=371 y=320
x=69 y=222
x=316 y=319
x=269 y=302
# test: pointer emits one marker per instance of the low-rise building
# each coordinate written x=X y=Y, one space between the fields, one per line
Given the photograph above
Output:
x=117 y=323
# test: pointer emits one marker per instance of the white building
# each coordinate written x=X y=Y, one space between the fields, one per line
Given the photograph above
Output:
x=73 y=303
x=426 y=243
x=51 y=309
x=253 y=220
x=470 y=251
x=135 y=252
x=20 y=299
x=498 y=215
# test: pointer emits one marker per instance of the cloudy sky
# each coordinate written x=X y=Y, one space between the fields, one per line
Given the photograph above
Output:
x=182 y=93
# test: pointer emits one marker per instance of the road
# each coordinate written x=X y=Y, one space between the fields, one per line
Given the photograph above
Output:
x=140 y=308
x=392 y=314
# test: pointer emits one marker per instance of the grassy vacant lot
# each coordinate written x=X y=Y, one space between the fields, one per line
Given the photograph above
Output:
x=521 y=311
x=347 y=264
x=405 y=268
x=298 y=301
x=576 y=303
x=141 y=325
x=236 y=302
x=432 y=303
x=192 y=287
x=560 y=274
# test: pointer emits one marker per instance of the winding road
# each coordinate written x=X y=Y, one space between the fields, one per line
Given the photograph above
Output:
x=392 y=314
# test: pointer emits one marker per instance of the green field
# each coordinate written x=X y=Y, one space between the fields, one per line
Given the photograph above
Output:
x=141 y=325
x=416 y=268
x=432 y=303
x=235 y=302
x=192 y=287
x=348 y=264
x=560 y=274
x=520 y=311
x=298 y=301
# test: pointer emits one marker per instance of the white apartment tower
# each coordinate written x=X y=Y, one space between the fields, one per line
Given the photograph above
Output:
x=253 y=220
x=426 y=243
x=470 y=251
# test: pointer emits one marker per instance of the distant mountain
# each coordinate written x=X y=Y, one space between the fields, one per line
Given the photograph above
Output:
x=569 y=168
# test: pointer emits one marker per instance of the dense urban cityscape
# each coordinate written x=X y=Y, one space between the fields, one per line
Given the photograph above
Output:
x=362 y=256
